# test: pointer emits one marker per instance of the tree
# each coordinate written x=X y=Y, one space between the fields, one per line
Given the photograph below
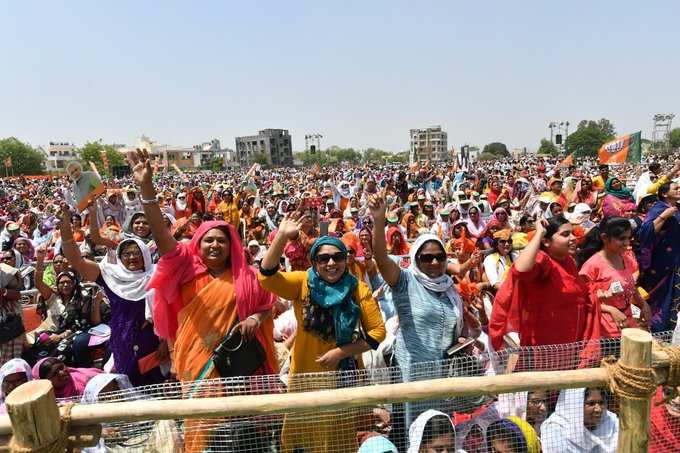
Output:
x=675 y=138
x=496 y=149
x=216 y=163
x=547 y=148
x=401 y=157
x=376 y=155
x=589 y=137
x=260 y=158
x=92 y=152
x=26 y=160
x=487 y=156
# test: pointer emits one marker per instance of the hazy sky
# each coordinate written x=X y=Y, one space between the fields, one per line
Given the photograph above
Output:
x=362 y=73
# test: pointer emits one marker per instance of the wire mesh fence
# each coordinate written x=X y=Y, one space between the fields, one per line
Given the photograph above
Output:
x=533 y=421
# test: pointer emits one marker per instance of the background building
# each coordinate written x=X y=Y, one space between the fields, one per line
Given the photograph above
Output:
x=58 y=155
x=429 y=144
x=272 y=146
x=207 y=151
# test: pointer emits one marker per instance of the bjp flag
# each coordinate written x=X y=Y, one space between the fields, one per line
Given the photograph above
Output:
x=627 y=148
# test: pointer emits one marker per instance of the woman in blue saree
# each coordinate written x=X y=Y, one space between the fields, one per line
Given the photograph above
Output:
x=659 y=257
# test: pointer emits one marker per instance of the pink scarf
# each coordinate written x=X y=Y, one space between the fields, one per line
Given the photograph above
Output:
x=184 y=263
x=79 y=377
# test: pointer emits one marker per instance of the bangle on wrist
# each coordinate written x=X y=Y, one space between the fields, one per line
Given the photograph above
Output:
x=147 y=202
x=254 y=318
x=68 y=241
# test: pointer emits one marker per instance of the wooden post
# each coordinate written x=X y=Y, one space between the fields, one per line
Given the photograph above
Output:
x=34 y=414
x=636 y=351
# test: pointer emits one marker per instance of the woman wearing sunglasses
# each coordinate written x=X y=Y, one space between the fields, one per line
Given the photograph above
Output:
x=497 y=264
x=330 y=306
x=430 y=309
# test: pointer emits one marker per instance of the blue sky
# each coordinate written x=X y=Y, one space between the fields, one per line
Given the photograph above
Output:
x=362 y=73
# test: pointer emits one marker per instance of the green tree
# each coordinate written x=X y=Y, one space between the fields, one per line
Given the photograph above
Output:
x=675 y=138
x=400 y=157
x=547 y=148
x=26 y=160
x=309 y=159
x=487 y=156
x=337 y=154
x=496 y=149
x=92 y=152
x=589 y=137
x=374 y=155
x=216 y=164
x=260 y=158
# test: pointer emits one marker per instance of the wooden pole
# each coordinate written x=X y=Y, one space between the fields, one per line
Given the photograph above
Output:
x=34 y=414
x=636 y=351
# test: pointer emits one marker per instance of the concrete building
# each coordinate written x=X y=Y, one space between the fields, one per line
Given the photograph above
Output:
x=58 y=155
x=274 y=144
x=429 y=144
x=205 y=152
x=167 y=155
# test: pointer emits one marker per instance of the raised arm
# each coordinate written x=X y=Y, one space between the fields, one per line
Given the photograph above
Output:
x=143 y=173
x=95 y=237
x=388 y=268
x=89 y=270
x=45 y=291
x=527 y=258
x=289 y=229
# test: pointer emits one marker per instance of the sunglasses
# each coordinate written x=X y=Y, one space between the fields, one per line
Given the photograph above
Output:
x=504 y=241
x=430 y=257
x=324 y=258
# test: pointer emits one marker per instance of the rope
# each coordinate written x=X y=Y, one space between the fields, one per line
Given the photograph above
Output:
x=630 y=382
x=58 y=445
x=673 y=380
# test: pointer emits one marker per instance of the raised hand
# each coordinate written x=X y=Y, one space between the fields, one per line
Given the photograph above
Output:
x=140 y=163
x=65 y=217
x=291 y=224
x=377 y=206
x=41 y=253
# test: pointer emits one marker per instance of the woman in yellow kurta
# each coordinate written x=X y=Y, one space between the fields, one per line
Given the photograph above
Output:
x=330 y=305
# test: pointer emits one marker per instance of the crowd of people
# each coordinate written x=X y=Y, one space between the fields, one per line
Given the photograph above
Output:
x=194 y=276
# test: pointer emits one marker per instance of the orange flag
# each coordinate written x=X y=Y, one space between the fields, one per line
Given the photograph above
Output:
x=568 y=161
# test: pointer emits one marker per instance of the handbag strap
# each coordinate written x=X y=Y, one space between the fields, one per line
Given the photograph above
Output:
x=210 y=364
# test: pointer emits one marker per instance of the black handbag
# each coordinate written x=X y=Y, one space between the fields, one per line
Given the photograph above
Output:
x=12 y=327
x=235 y=356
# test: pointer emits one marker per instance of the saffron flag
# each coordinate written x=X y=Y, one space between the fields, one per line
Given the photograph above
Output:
x=627 y=148
x=568 y=161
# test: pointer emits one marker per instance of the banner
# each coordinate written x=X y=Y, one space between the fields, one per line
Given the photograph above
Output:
x=568 y=161
x=627 y=148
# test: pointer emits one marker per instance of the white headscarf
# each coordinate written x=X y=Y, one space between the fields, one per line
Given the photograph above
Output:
x=441 y=284
x=129 y=285
x=11 y=367
x=91 y=396
x=99 y=382
x=415 y=431
x=564 y=431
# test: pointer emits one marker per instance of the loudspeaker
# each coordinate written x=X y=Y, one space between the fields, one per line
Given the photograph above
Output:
x=312 y=149
x=558 y=139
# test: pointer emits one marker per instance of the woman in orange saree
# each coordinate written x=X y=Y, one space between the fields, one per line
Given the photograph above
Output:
x=202 y=289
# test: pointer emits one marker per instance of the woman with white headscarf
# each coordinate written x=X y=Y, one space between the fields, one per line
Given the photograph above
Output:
x=432 y=431
x=159 y=436
x=136 y=349
x=430 y=309
x=581 y=423
x=12 y=374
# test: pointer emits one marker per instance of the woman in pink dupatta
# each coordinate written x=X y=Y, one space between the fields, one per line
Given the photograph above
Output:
x=202 y=288
x=67 y=382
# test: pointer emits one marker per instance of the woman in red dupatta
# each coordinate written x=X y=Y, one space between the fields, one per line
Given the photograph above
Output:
x=546 y=267
x=202 y=289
